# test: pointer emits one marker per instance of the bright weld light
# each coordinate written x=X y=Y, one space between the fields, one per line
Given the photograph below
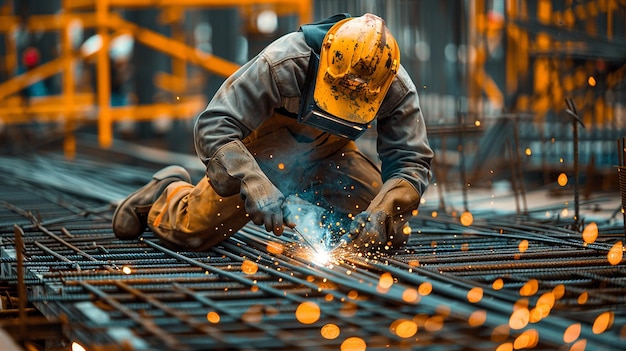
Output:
x=321 y=257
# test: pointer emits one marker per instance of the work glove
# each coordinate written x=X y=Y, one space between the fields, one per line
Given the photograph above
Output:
x=379 y=227
x=232 y=170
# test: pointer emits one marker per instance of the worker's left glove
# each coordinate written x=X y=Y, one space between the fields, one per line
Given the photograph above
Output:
x=379 y=227
x=234 y=170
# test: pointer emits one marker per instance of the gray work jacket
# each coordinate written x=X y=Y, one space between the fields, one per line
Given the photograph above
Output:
x=245 y=107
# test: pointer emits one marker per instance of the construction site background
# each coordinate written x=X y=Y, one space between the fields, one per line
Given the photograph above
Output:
x=496 y=78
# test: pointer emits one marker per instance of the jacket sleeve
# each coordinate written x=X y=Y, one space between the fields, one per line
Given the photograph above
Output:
x=244 y=101
x=402 y=142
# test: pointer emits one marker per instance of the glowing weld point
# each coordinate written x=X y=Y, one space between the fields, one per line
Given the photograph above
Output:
x=321 y=257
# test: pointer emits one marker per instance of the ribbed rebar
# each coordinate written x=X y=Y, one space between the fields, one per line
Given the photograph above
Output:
x=246 y=294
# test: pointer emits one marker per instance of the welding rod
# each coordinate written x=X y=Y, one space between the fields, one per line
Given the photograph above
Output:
x=306 y=240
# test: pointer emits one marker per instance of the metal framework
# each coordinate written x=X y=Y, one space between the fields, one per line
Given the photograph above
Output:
x=546 y=45
x=72 y=107
x=501 y=282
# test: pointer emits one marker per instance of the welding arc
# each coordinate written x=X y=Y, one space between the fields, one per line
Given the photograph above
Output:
x=306 y=240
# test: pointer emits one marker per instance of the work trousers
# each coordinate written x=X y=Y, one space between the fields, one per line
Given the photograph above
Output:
x=337 y=177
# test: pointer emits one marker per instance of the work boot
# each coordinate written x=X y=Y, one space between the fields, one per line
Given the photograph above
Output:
x=131 y=216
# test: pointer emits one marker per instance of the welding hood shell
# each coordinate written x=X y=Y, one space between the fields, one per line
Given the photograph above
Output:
x=358 y=61
x=311 y=114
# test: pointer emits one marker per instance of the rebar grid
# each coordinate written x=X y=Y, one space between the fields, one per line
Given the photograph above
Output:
x=453 y=287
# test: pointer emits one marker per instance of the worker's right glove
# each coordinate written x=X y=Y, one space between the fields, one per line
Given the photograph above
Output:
x=234 y=170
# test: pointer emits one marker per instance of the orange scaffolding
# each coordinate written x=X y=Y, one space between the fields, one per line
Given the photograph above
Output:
x=73 y=107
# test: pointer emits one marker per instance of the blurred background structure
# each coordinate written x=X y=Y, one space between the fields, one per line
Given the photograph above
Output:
x=493 y=75
x=525 y=105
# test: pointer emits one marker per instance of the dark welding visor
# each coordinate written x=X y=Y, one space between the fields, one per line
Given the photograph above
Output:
x=311 y=114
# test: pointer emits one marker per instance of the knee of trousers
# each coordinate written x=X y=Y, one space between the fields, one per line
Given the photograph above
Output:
x=195 y=217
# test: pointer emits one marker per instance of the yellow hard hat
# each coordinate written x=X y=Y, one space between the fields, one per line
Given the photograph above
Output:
x=358 y=61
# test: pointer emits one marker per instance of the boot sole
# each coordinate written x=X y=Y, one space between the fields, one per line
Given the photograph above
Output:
x=177 y=173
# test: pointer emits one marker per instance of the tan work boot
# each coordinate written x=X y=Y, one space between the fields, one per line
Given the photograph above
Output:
x=131 y=216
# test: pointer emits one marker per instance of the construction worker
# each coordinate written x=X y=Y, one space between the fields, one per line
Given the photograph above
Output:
x=31 y=58
x=284 y=124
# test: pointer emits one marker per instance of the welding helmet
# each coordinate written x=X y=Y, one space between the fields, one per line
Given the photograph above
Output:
x=358 y=61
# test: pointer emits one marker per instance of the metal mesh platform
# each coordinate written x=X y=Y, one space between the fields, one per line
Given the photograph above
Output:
x=502 y=283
